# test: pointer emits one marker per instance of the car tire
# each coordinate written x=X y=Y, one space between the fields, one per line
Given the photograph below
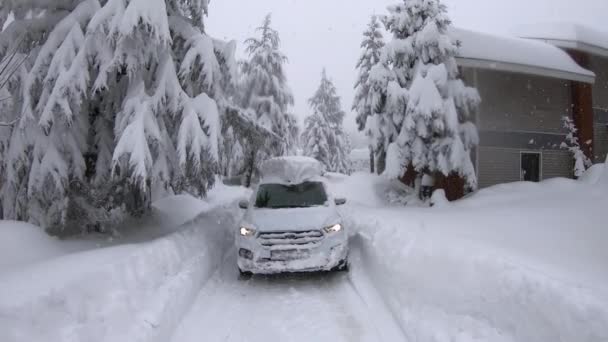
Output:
x=245 y=275
x=342 y=266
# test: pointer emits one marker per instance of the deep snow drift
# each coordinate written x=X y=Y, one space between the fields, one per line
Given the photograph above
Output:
x=517 y=262
x=128 y=292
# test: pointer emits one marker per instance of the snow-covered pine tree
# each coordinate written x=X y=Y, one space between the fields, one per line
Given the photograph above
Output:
x=265 y=93
x=323 y=137
x=117 y=102
x=420 y=95
x=372 y=45
x=581 y=161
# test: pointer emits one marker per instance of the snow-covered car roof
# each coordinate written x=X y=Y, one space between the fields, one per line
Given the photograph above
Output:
x=290 y=170
x=528 y=56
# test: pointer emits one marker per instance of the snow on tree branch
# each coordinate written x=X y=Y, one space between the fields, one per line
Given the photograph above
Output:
x=113 y=99
x=571 y=143
x=324 y=138
x=421 y=108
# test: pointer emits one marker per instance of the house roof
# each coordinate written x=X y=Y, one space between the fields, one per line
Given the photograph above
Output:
x=568 y=36
x=511 y=54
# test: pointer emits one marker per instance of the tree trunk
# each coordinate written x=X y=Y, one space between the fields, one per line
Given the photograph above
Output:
x=381 y=165
x=250 y=168
x=371 y=160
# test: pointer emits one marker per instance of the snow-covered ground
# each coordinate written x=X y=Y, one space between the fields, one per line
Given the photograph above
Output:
x=516 y=262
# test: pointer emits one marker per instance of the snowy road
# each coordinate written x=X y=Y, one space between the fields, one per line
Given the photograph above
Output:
x=317 y=307
x=470 y=271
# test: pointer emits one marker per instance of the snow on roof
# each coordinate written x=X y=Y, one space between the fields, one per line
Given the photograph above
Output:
x=488 y=51
x=290 y=170
x=567 y=35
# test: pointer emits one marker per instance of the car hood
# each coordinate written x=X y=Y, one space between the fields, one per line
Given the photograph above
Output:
x=270 y=220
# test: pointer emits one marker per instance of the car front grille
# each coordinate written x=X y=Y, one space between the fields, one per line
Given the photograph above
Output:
x=291 y=239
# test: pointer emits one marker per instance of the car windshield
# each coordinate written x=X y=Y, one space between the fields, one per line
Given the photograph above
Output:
x=277 y=196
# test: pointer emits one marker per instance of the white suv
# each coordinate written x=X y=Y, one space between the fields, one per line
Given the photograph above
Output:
x=291 y=223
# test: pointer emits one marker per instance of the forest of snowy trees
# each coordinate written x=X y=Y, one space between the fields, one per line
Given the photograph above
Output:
x=107 y=105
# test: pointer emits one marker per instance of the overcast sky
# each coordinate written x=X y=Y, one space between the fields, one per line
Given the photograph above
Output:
x=327 y=33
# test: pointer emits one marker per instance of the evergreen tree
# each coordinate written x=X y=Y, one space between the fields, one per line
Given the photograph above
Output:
x=423 y=107
x=372 y=45
x=265 y=93
x=119 y=99
x=324 y=138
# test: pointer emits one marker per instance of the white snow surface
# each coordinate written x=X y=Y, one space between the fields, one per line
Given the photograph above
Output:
x=564 y=31
x=515 y=262
x=512 y=50
x=23 y=244
x=129 y=292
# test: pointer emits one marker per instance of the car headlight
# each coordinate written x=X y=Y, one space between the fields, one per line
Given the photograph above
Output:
x=244 y=231
x=333 y=229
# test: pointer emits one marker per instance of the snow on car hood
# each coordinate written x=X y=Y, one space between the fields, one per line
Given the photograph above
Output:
x=272 y=220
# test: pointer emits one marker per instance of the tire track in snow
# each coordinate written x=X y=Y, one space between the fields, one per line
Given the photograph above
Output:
x=384 y=319
x=307 y=307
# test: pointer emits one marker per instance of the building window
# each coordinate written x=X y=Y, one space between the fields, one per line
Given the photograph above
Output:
x=531 y=166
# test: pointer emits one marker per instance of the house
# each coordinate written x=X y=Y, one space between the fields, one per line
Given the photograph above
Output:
x=527 y=86
x=589 y=48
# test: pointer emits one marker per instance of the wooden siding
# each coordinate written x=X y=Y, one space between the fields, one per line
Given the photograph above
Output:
x=601 y=142
x=557 y=164
x=600 y=88
x=600 y=101
x=517 y=102
x=502 y=165
x=498 y=165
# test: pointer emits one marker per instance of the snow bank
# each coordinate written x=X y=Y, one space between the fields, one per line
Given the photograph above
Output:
x=131 y=292
x=15 y=236
x=174 y=211
x=23 y=244
x=360 y=188
x=516 y=262
x=125 y=293
x=593 y=174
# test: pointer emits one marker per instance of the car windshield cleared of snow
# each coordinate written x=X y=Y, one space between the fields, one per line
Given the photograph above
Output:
x=278 y=196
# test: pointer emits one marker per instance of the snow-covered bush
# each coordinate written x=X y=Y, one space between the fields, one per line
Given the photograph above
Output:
x=117 y=98
x=581 y=161
x=421 y=108
x=265 y=94
x=324 y=138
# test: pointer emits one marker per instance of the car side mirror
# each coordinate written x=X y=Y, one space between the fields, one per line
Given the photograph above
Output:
x=243 y=204
x=340 y=201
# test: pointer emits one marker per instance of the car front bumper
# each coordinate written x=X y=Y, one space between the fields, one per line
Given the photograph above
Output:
x=325 y=257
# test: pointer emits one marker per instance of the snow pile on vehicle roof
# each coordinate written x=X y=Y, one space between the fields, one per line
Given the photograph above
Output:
x=291 y=170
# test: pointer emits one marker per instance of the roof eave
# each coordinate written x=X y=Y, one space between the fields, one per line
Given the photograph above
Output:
x=575 y=45
x=476 y=63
